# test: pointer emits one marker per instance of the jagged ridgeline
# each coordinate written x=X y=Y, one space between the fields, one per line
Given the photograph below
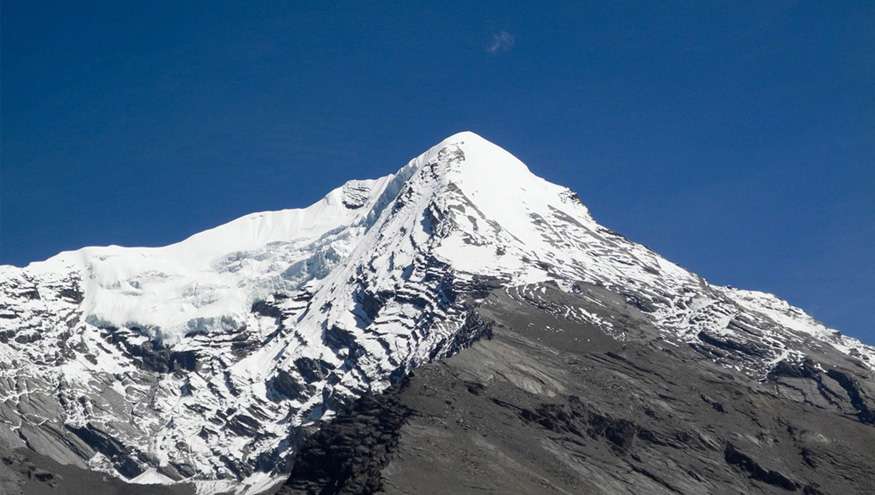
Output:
x=570 y=357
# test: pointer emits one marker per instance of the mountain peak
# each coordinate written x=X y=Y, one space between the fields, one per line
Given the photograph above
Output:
x=480 y=153
x=464 y=139
x=276 y=319
x=462 y=136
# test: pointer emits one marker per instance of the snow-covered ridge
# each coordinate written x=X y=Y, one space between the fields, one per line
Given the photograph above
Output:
x=202 y=357
x=218 y=272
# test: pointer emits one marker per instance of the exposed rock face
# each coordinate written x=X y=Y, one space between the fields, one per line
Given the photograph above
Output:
x=348 y=454
x=553 y=405
x=207 y=361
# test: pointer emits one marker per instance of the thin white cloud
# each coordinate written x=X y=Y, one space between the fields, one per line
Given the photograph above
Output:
x=501 y=41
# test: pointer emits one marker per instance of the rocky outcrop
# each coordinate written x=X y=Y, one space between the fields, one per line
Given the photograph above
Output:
x=347 y=455
x=757 y=472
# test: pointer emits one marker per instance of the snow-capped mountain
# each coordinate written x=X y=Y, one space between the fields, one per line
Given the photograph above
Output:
x=203 y=360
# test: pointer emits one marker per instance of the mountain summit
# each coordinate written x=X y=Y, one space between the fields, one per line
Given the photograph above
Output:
x=210 y=361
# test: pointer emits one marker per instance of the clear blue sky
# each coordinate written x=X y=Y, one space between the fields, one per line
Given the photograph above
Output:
x=735 y=138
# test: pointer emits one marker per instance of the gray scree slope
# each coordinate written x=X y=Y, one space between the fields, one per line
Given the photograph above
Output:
x=544 y=404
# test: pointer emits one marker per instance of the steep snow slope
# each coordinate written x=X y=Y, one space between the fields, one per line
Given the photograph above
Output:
x=201 y=359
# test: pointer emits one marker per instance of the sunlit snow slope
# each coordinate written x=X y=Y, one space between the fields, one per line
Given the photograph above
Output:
x=201 y=359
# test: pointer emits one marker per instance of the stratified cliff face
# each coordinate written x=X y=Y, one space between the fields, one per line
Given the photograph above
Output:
x=208 y=361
